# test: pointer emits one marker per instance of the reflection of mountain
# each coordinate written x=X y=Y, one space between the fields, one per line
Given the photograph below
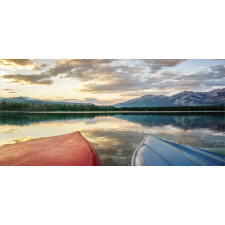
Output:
x=213 y=121
x=186 y=121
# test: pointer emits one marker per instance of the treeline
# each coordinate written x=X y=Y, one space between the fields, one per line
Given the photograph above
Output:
x=177 y=108
x=11 y=106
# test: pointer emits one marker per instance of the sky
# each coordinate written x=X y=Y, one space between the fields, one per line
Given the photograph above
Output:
x=107 y=81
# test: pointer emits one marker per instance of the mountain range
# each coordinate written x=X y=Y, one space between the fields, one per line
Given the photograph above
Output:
x=186 y=98
x=37 y=101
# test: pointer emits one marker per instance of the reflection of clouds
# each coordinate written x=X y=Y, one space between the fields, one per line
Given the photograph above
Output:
x=22 y=139
x=196 y=137
x=8 y=130
x=15 y=140
x=115 y=138
x=109 y=140
x=114 y=147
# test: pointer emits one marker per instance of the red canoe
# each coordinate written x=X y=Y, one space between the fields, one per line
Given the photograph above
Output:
x=65 y=150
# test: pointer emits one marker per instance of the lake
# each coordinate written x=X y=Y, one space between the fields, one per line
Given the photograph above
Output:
x=115 y=136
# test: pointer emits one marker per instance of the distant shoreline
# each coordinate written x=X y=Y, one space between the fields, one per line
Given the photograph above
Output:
x=75 y=112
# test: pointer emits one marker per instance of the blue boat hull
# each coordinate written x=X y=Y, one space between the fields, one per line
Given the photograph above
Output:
x=158 y=152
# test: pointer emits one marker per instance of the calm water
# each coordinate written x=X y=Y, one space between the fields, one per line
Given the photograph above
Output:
x=116 y=136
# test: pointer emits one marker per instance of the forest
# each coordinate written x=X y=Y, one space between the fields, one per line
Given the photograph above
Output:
x=26 y=107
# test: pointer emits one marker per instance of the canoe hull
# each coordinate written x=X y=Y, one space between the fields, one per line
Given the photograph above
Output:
x=65 y=150
x=157 y=152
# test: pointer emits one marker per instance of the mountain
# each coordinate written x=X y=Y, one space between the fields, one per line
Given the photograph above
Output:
x=186 y=98
x=37 y=101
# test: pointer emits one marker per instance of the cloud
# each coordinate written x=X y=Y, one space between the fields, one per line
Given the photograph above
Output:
x=39 y=79
x=10 y=91
x=127 y=77
x=158 y=64
x=96 y=71
x=156 y=82
x=39 y=66
x=101 y=102
x=115 y=84
x=218 y=71
x=102 y=74
x=14 y=63
x=77 y=66
x=211 y=76
x=19 y=62
x=72 y=100
x=81 y=68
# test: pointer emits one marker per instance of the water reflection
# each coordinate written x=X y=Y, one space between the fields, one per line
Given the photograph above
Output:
x=116 y=136
x=186 y=121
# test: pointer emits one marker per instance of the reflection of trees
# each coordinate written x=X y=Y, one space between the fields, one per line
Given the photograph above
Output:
x=213 y=121
x=27 y=118
x=186 y=121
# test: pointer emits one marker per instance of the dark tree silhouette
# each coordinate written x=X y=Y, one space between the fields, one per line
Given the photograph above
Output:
x=29 y=107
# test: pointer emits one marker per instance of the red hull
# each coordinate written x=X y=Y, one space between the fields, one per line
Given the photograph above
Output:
x=65 y=150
